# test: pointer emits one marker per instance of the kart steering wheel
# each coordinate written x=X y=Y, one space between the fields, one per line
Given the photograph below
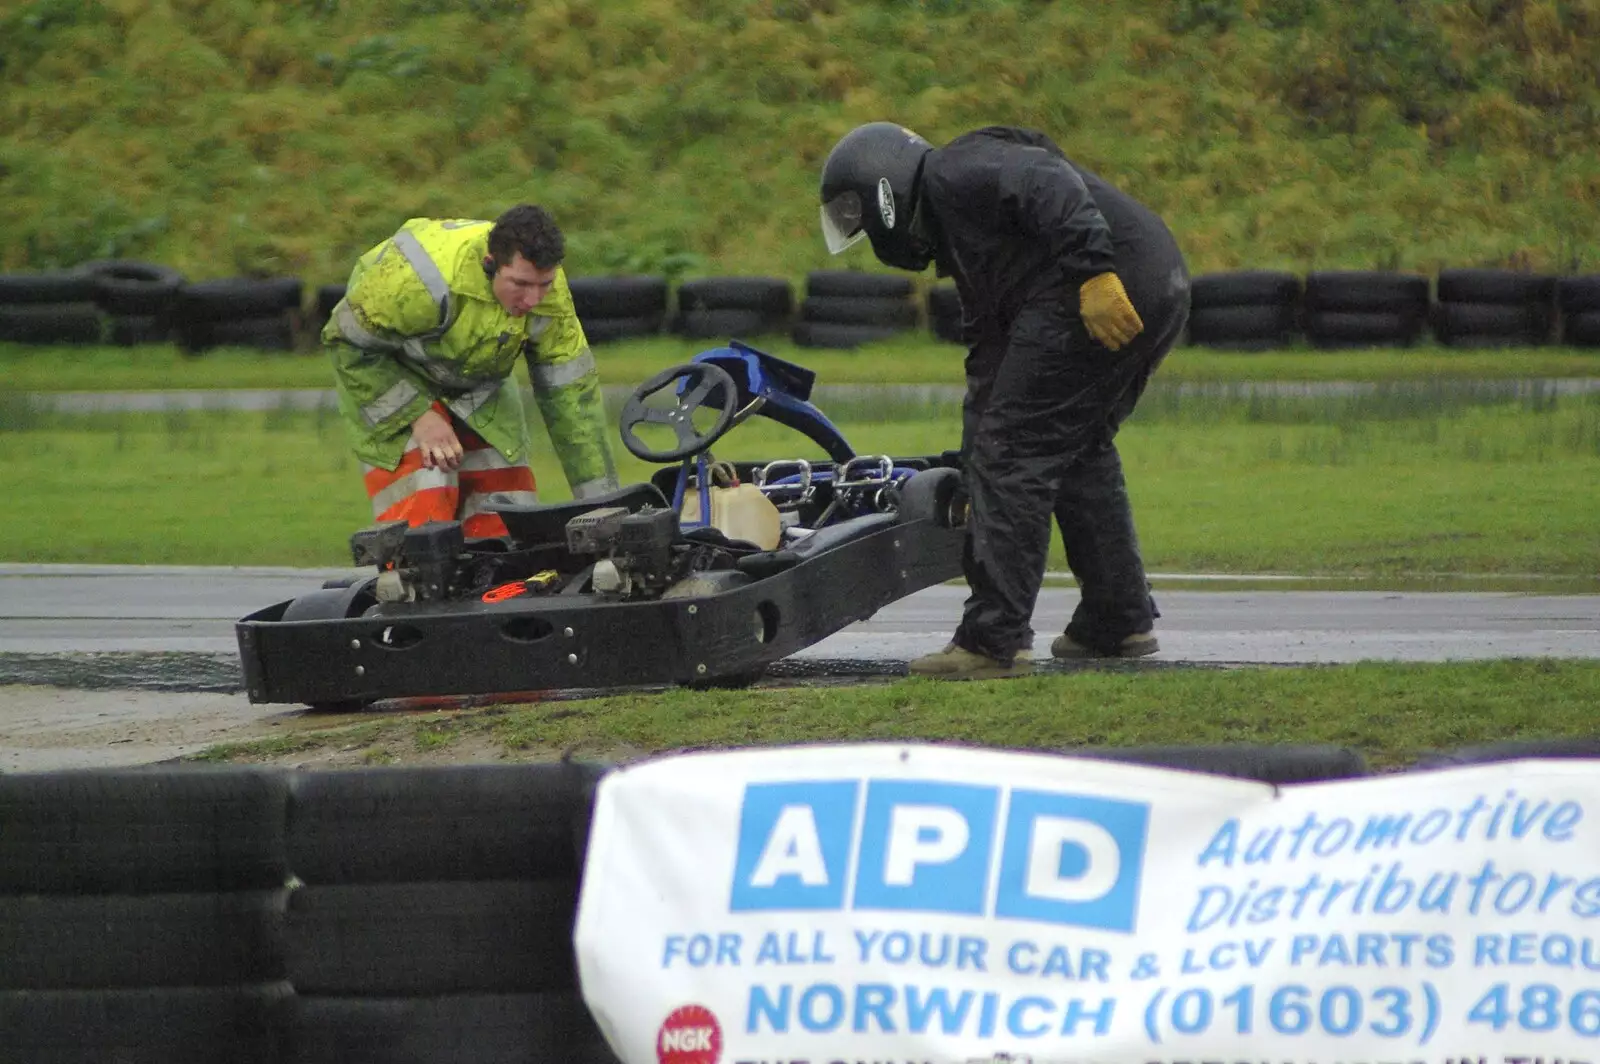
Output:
x=701 y=381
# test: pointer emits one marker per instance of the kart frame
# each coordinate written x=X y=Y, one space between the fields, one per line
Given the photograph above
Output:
x=341 y=647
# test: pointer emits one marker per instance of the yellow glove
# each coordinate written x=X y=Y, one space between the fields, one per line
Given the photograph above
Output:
x=1107 y=314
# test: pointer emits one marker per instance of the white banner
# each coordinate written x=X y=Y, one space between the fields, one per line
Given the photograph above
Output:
x=940 y=904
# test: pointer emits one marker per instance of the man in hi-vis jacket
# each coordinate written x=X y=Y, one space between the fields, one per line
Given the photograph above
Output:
x=423 y=345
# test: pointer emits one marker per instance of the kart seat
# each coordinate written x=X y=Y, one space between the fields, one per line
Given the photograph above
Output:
x=547 y=522
x=768 y=562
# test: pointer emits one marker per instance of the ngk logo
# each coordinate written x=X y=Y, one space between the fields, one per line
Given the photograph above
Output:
x=689 y=1036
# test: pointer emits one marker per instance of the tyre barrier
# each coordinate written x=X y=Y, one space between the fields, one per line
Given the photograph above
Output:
x=847 y=308
x=1249 y=310
x=136 y=298
x=1365 y=308
x=1578 y=300
x=1484 y=308
x=616 y=308
x=237 y=312
x=387 y=915
x=729 y=307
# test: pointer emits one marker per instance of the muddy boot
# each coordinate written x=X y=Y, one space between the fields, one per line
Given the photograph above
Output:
x=955 y=663
x=1134 y=646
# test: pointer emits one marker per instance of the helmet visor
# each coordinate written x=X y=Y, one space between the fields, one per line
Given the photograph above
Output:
x=841 y=221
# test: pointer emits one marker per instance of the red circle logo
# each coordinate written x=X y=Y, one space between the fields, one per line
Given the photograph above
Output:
x=690 y=1035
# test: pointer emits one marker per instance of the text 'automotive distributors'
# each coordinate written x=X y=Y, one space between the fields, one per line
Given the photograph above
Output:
x=921 y=903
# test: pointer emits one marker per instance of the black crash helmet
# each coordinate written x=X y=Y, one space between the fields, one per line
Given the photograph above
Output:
x=868 y=189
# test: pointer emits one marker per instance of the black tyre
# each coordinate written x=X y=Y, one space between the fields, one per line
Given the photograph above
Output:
x=411 y=939
x=1244 y=288
x=1352 y=328
x=770 y=295
x=856 y=284
x=110 y=941
x=609 y=330
x=233 y=298
x=52 y=323
x=455 y=1029
x=618 y=297
x=1248 y=327
x=1578 y=294
x=131 y=287
x=189 y=830
x=240 y=1025
x=1584 y=749
x=61 y=286
x=935 y=495
x=705 y=324
x=1366 y=291
x=131 y=330
x=328 y=297
x=838 y=310
x=1267 y=763
x=1495 y=286
x=274 y=333
x=394 y=825
x=828 y=334
x=1582 y=329
x=1487 y=324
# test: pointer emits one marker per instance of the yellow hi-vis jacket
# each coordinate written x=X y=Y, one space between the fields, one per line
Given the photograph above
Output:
x=419 y=322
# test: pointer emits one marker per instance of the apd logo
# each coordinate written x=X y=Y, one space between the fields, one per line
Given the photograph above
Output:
x=923 y=846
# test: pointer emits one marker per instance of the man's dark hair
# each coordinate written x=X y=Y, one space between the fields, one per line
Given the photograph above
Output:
x=531 y=231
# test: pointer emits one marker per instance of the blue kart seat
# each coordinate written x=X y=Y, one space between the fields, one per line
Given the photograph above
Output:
x=786 y=389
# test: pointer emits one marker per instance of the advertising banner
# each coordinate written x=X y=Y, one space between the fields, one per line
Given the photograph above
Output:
x=921 y=903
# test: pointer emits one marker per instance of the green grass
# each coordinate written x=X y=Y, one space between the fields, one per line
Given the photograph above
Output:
x=1398 y=483
x=1392 y=713
x=685 y=136
x=912 y=360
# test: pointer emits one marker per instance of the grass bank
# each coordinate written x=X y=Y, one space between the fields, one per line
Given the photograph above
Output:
x=685 y=136
x=1392 y=713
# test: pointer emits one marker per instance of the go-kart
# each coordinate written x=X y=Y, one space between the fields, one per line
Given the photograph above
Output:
x=703 y=575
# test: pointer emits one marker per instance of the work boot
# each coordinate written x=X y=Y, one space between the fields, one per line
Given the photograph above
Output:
x=956 y=663
x=1136 y=645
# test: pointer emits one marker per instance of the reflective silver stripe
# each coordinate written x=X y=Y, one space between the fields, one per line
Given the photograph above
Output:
x=537 y=326
x=351 y=329
x=485 y=458
x=390 y=402
x=552 y=375
x=432 y=279
x=590 y=488
x=409 y=485
x=465 y=406
x=477 y=503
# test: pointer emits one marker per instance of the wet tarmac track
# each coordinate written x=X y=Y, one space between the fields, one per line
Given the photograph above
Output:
x=109 y=665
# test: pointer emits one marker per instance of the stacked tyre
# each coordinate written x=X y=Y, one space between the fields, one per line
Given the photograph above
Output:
x=944 y=313
x=435 y=917
x=847 y=308
x=1365 y=308
x=49 y=308
x=142 y=916
x=259 y=313
x=136 y=298
x=619 y=308
x=1248 y=310
x=1482 y=308
x=733 y=307
x=327 y=297
x=1579 y=299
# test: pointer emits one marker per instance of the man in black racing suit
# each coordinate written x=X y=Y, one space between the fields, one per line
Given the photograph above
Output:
x=1072 y=293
